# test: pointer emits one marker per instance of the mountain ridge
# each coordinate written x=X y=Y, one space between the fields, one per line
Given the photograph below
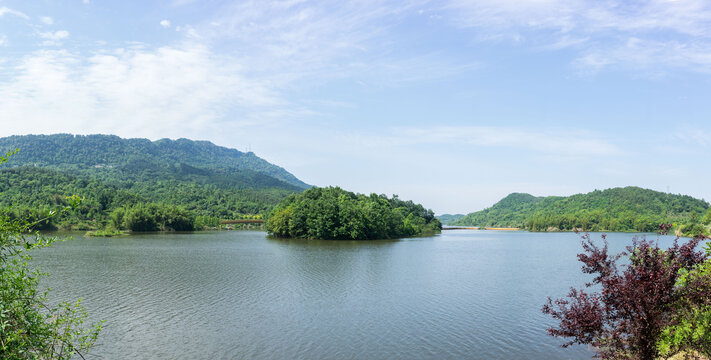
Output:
x=99 y=151
x=136 y=176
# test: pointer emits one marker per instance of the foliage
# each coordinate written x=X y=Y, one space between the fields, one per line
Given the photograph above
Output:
x=203 y=222
x=105 y=233
x=31 y=329
x=636 y=304
x=693 y=229
x=110 y=154
x=691 y=332
x=617 y=209
x=208 y=181
x=448 y=219
x=333 y=213
x=153 y=217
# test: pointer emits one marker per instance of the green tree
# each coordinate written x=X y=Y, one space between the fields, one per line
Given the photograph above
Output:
x=154 y=217
x=140 y=218
x=691 y=332
x=29 y=327
x=278 y=222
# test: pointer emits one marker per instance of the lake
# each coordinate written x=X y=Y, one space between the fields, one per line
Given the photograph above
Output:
x=464 y=294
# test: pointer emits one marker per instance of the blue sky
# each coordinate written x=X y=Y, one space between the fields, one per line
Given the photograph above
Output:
x=450 y=103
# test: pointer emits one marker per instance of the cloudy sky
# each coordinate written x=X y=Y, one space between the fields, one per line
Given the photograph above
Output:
x=451 y=103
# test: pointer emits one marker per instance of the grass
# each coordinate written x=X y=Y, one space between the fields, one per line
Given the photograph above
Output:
x=105 y=233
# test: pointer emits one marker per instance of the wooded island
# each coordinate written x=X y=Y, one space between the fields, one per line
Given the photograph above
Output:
x=335 y=214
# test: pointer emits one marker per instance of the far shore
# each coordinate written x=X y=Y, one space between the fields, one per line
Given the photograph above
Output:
x=479 y=228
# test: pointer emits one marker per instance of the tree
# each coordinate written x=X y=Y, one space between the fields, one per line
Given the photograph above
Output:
x=691 y=332
x=29 y=327
x=141 y=218
x=627 y=317
x=153 y=217
x=707 y=218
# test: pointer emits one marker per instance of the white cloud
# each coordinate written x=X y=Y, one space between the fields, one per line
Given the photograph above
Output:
x=318 y=40
x=53 y=38
x=169 y=91
x=182 y=2
x=510 y=14
x=653 y=35
x=694 y=137
x=303 y=39
x=566 y=142
x=85 y=1
x=47 y=20
x=5 y=10
x=647 y=55
x=3 y=40
x=57 y=35
x=165 y=23
x=689 y=17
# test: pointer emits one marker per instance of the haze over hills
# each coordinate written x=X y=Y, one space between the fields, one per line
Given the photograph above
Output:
x=109 y=172
x=447 y=219
x=617 y=209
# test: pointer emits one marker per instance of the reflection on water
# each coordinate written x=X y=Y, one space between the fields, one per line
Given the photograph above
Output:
x=240 y=295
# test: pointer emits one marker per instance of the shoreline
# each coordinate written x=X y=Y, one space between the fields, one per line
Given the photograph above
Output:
x=479 y=228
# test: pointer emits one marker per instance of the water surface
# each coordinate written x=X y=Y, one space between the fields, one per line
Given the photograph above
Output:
x=465 y=294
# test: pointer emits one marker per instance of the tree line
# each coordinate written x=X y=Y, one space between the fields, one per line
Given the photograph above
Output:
x=30 y=193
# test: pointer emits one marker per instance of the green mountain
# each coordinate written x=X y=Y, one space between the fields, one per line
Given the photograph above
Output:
x=208 y=181
x=618 y=209
x=95 y=155
x=448 y=219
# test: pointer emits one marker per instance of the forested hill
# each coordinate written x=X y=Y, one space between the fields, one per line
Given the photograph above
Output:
x=617 y=209
x=447 y=219
x=95 y=154
x=151 y=182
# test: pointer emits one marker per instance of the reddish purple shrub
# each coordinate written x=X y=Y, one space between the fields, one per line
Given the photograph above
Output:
x=635 y=301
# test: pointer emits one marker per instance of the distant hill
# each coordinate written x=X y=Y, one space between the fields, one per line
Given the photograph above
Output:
x=208 y=181
x=618 y=209
x=447 y=219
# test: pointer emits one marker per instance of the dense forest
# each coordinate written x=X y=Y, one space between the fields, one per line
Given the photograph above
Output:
x=197 y=182
x=111 y=157
x=447 y=219
x=334 y=213
x=617 y=209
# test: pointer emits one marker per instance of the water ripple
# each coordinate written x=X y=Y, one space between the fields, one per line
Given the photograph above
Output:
x=238 y=295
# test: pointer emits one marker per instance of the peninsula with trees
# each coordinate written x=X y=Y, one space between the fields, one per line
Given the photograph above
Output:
x=628 y=209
